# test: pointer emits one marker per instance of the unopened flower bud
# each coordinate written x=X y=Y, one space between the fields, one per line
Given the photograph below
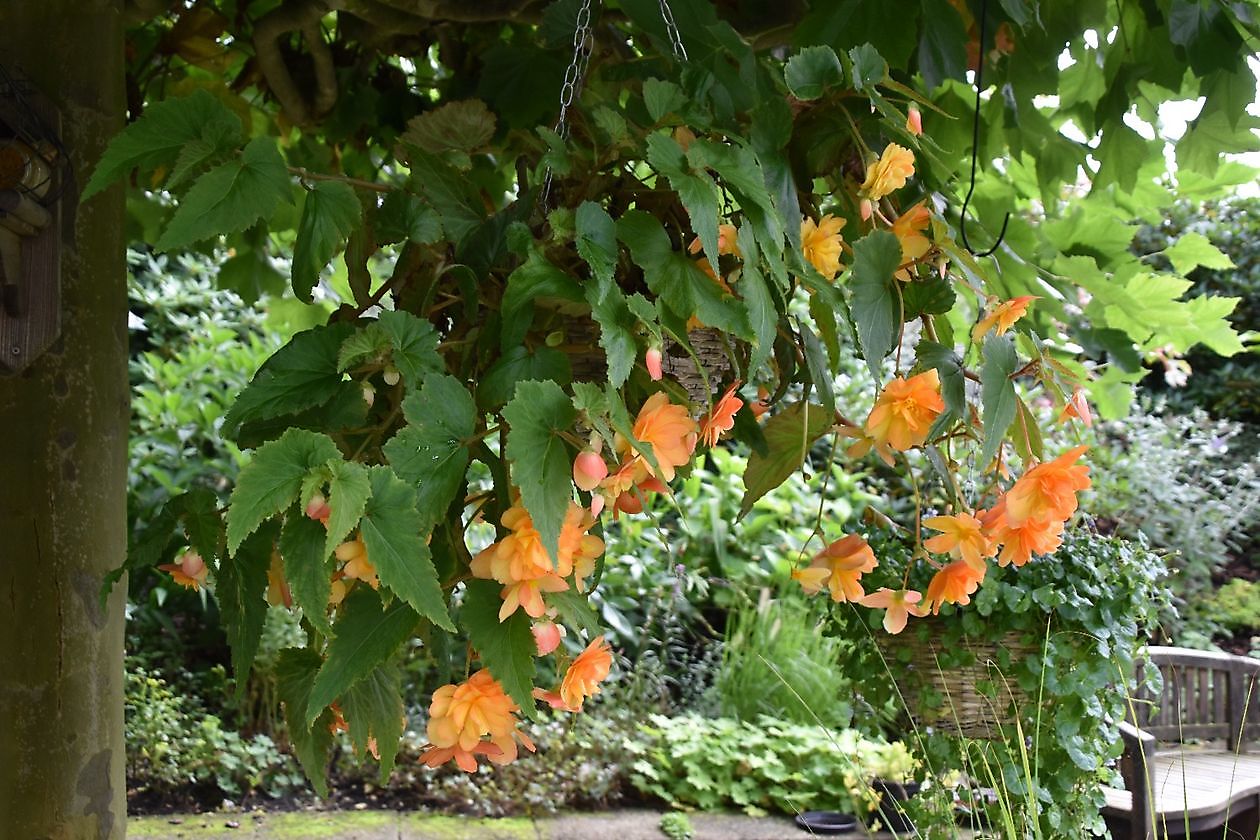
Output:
x=547 y=635
x=192 y=564
x=866 y=209
x=391 y=376
x=369 y=394
x=914 y=121
x=652 y=360
x=589 y=470
x=317 y=508
x=597 y=505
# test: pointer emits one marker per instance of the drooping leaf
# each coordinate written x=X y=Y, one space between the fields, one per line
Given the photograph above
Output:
x=348 y=492
x=406 y=217
x=811 y=71
x=295 y=673
x=240 y=589
x=431 y=451
x=997 y=392
x=393 y=532
x=230 y=197
x=272 y=479
x=367 y=636
x=876 y=307
x=538 y=414
x=869 y=67
x=507 y=648
x=162 y=133
x=198 y=512
x=374 y=710
x=597 y=244
x=662 y=98
x=536 y=279
x=307 y=568
x=819 y=372
x=942 y=44
x=330 y=212
x=789 y=435
x=949 y=368
x=1192 y=250
x=575 y=611
x=696 y=189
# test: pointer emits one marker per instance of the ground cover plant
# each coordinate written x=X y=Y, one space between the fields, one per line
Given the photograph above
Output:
x=537 y=327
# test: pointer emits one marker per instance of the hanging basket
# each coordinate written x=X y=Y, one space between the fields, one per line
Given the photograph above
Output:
x=714 y=356
x=965 y=709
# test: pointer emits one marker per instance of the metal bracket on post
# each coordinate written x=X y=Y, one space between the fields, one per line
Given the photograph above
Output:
x=34 y=176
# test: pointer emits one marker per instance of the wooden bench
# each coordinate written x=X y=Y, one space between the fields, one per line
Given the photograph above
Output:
x=1185 y=763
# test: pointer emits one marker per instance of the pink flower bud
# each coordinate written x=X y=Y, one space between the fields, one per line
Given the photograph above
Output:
x=589 y=470
x=629 y=503
x=317 y=508
x=597 y=505
x=192 y=564
x=914 y=121
x=866 y=209
x=547 y=635
x=652 y=359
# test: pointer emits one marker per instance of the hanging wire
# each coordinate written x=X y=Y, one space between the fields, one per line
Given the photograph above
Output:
x=671 y=28
x=574 y=76
x=975 y=148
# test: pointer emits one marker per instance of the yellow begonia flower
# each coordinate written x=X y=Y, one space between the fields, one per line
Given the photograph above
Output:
x=820 y=244
x=889 y=173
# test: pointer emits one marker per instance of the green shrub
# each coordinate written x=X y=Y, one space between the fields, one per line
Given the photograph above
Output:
x=766 y=765
x=676 y=826
x=1236 y=605
x=777 y=662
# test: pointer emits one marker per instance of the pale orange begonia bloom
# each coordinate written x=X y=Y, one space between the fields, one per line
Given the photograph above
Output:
x=1077 y=407
x=461 y=716
x=354 y=554
x=188 y=570
x=1002 y=316
x=1047 y=491
x=722 y=418
x=839 y=567
x=889 y=173
x=820 y=244
x=669 y=430
x=727 y=243
x=899 y=605
x=962 y=537
x=1019 y=544
x=585 y=673
x=908 y=228
x=277 y=587
x=903 y=415
x=953 y=585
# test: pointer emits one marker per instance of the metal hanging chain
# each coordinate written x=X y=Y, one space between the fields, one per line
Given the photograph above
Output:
x=975 y=148
x=574 y=76
x=675 y=38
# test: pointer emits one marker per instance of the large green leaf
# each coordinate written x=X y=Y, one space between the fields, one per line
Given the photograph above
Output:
x=518 y=365
x=272 y=479
x=373 y=709
x=876 y=306
x=367 y=635
x=997 y=392
x=942 y=44
x=507 y=648
x=538 y=414
x=409 y=342
x=164 y=134
x=536 y=279
x=307 y=567
x=230 y=197
x=431 y=451
x=597 y=244
x=788 y=434
x=697 y=190
x=1192 y=250
x=330 y=212
x=949 y=368
x=394 y=532
x=348 y=492
x=295 y=673
x=241 y=589
x=811 y=71
x=301 y=375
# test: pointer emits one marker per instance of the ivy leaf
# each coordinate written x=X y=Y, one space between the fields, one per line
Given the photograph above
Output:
x=1192 y=250
x=330 y=212
x=431 y=452
x=373 y=708
x=507 y=648
x=538 y=414
x=162 y=133
x=348 y=492
x=597 y=244
x=789 y=434
x=876 y=307
x=392 y=531
x=367 y=636
x=811 y=71
x=230 y=197
x=240 y=589
x=295 y=674
x=997 y=392
x=272 y=479
x=307 y=568
x=950 y=369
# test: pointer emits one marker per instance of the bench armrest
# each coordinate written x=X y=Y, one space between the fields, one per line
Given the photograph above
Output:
x=1137 y=766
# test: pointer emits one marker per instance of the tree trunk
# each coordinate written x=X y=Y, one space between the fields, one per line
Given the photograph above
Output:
x=63 y=460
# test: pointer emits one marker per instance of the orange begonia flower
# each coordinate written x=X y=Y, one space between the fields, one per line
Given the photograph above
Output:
x=354 y=554
x=889 y=173
x=903 y=414
x=1048 y=490
x=1003 y=316
x=962 y=537
x=1020 y=543
x=909 y=228
x=726 y=242
x=820 y=244
x=1077 y=407
x=840 y=567
x=953 y=585
x=188 y=570
x=899 y=605
x=669 y=430
x=722 y=418
x=461 y=716
x=585 y=673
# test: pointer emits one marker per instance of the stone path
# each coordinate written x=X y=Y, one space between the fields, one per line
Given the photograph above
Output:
x=388 y=825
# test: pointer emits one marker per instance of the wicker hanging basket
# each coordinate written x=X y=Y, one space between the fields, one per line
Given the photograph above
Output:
x=964 y=708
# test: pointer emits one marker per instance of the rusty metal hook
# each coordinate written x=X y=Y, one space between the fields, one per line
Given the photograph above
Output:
x=975 y=147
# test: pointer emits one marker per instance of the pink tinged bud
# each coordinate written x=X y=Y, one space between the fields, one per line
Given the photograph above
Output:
x=597 y=505
x=547 y=635
x=369 y=394
x=317 y=508
x=914 y=121
x=589 y=470
x=629 y=503
x=867 y=209
x=652 y=359
x=391 y=377
x=192 y=564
